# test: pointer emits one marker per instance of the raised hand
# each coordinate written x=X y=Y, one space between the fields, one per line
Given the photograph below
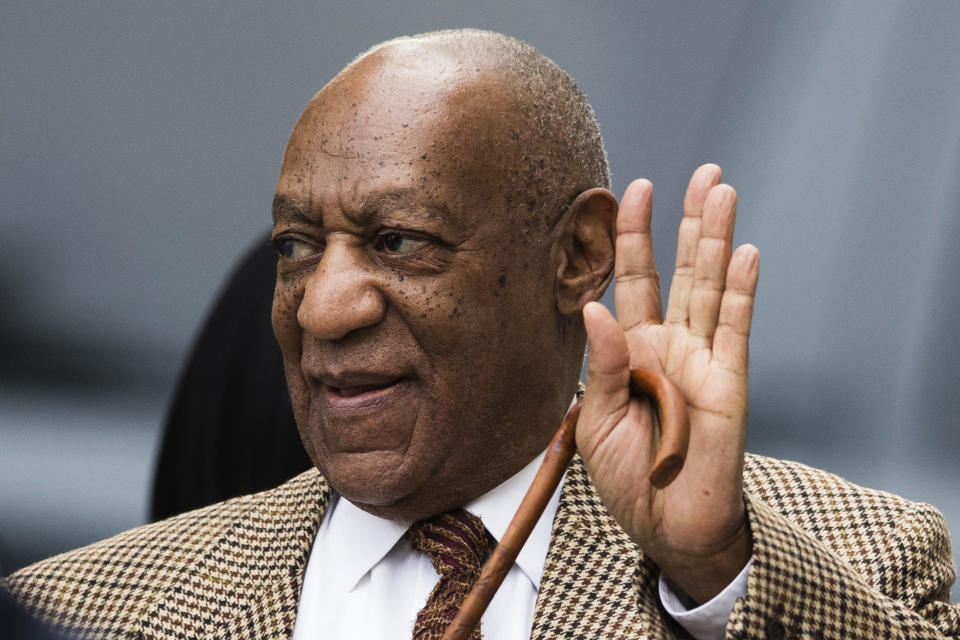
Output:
x=695 y=528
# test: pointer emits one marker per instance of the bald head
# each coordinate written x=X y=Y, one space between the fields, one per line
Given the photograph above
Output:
x=549 y=138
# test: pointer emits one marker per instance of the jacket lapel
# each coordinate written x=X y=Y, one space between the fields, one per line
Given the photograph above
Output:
x=596 y=581
x=248 y=585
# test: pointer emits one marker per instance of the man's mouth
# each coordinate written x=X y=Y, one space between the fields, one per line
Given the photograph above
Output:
x=356 y=390
x=360 y=391
x=363 y=411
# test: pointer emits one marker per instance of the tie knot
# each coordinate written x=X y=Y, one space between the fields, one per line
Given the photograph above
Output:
x=455 y=541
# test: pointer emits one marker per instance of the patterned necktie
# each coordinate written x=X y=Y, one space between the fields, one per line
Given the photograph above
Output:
x=456 y=543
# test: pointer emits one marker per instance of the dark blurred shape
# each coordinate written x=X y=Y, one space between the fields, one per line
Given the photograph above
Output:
x=16 y=624
x=230 y=429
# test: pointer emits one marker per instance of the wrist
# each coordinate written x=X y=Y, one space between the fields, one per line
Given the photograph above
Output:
x=703 y=577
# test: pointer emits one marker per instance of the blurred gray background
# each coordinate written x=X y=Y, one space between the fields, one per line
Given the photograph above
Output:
x=140 y=142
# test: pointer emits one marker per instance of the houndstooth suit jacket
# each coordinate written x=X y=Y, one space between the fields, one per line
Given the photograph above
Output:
x=831 y=560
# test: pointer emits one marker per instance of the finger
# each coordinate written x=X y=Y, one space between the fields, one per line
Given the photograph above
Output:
x=713 y=256
x=638 y=286
x=703 y=179
x=736 y=310
x=607 y=403
x=608 y=364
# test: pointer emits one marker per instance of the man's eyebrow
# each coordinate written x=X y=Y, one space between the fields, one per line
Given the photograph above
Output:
x=373 y=206
x=400 y=200
x=286 y=207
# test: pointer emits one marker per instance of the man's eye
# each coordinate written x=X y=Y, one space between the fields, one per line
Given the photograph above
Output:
x=293 y=248
x=396 y=242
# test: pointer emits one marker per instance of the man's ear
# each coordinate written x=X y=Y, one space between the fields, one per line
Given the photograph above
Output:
x=587 y=250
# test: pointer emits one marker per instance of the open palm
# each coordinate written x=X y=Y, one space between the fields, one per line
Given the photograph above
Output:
x=694 y=528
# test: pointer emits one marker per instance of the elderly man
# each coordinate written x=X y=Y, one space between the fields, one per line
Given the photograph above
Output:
x=444 y=229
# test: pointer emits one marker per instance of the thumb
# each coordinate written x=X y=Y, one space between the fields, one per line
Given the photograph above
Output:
x=608 y=367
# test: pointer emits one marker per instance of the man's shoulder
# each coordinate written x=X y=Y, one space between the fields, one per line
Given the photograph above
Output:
x=869 y=529
x=800 y=491
x=816 y=500
x=116 y=579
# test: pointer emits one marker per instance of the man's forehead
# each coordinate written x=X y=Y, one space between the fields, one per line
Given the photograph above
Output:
x=416 y=110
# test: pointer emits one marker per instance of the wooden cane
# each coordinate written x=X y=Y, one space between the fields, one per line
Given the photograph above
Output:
x=671 y=450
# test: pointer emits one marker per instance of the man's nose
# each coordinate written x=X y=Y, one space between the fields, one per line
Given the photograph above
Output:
x=341 y=295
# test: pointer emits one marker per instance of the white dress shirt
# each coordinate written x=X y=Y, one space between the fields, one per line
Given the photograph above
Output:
x=364 y=580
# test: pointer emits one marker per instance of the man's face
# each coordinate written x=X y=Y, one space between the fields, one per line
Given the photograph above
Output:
x=416 y=315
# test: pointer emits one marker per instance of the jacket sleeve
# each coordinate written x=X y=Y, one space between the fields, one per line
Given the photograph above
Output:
x=873 y=567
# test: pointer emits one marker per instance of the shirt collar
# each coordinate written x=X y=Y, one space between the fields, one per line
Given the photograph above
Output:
x=365 y=539
x=498 y=506
x=369 y=538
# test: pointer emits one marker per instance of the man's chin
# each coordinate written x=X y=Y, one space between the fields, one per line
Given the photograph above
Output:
x=379 y=482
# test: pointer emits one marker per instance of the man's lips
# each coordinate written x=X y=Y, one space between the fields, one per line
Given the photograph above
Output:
x=358 y=391
x=357 y=380
x=362 y=412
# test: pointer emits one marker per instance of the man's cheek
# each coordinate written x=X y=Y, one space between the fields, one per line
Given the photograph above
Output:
x=428 y=305
x=286 y=304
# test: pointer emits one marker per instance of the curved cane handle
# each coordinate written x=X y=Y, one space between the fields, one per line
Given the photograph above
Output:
x=674 y=423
